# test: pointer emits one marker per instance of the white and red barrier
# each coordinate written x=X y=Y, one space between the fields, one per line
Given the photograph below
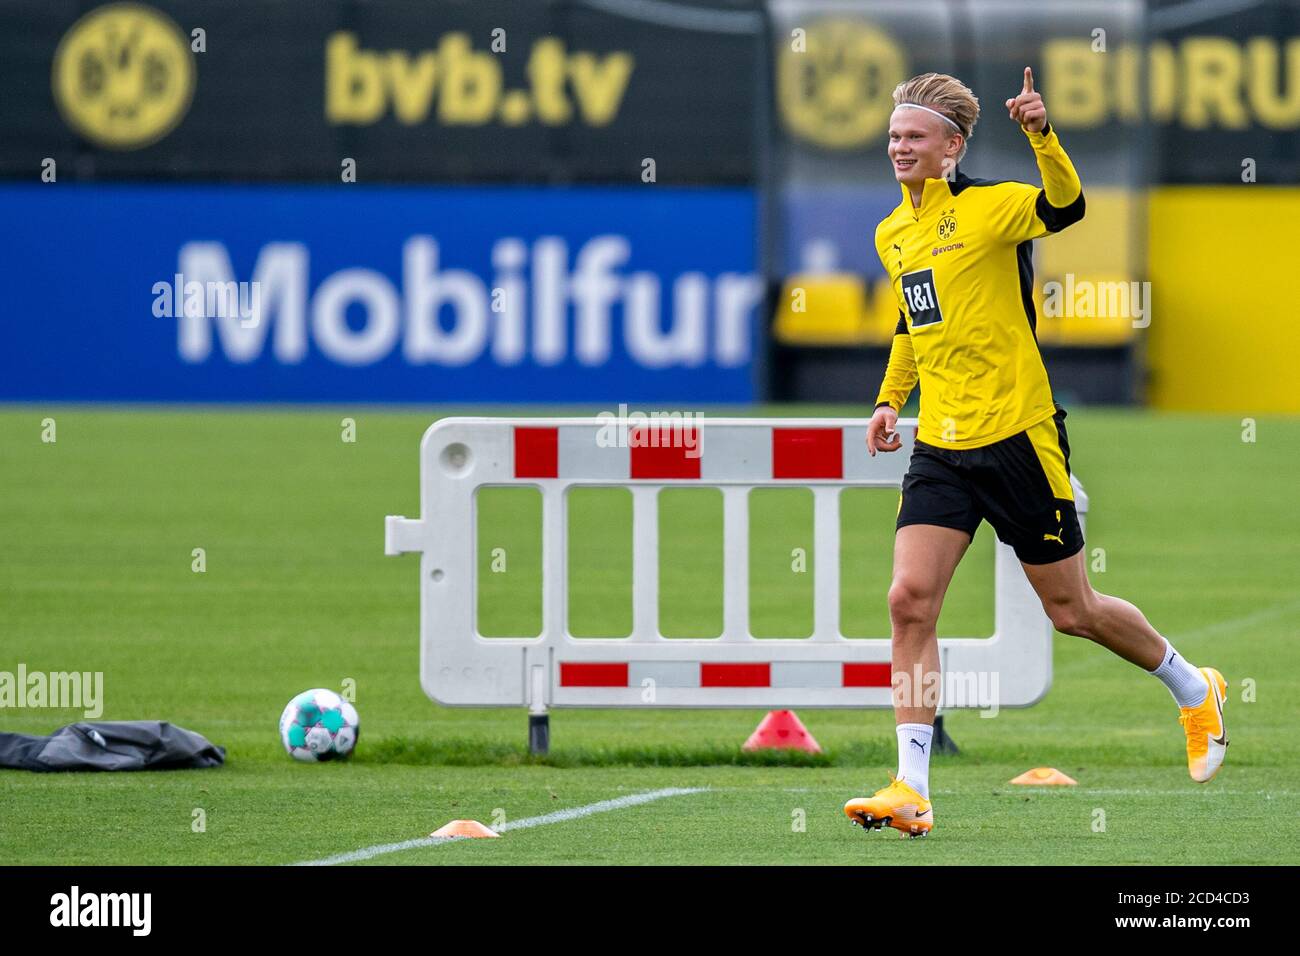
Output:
x=459 y=667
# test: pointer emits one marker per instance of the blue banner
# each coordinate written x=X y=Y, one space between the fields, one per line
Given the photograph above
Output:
x=364 y=293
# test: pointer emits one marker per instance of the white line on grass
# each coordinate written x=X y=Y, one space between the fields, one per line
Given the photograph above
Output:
x=558 y=816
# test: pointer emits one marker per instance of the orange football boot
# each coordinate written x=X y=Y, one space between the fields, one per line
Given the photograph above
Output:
x=1207 y=734
x=897 y=806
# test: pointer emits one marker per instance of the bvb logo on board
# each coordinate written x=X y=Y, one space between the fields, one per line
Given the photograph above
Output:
x=123 y=76
x=837 y=92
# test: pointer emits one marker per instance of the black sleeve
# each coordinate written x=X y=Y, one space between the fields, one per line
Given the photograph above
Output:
x=1054 y=218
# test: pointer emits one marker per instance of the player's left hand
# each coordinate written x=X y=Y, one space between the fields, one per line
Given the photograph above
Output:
x=1028 y=108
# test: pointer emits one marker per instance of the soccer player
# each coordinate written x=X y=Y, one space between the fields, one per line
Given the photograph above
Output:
x=991 y=442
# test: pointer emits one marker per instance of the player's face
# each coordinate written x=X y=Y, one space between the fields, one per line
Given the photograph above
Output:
x=918 y=144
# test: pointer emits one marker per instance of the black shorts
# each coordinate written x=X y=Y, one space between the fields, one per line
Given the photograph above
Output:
x=1020 y=485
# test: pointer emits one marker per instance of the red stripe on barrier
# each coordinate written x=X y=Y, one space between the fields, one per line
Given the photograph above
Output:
x=807 y=453
x=665 y=452
x=537 y=452
x=867 y=675
x=593 y=675
x=735 y=675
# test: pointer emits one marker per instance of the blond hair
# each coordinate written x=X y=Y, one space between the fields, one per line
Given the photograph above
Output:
x=947 y=96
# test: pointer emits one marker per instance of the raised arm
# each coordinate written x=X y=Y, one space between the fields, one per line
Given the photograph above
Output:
x=1026 y=212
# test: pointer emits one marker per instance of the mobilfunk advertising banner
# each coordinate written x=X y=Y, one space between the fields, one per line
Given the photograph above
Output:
x=372 y=293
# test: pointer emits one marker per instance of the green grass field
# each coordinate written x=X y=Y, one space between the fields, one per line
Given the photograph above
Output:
x=1199 y=528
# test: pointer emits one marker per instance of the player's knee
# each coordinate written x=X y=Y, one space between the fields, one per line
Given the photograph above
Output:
x=1070 y=617
x=911 y=604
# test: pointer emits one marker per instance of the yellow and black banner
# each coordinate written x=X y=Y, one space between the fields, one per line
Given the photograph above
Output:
x=495 y=90
x=1154 y=91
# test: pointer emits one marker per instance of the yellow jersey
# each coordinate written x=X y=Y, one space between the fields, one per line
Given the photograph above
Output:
x=961 y=267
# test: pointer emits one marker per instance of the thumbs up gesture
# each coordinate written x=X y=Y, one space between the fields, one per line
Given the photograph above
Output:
x=1028 y=108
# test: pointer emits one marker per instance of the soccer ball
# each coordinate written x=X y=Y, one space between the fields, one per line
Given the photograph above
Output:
x=319 y=725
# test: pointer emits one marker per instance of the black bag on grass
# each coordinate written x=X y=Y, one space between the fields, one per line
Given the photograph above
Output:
x=111 y=745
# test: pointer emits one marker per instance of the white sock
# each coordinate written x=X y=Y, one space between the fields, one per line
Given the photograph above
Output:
x=914 y=756
x=1185 y=682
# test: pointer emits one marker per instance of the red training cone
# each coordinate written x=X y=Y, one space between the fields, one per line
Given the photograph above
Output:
x=782 y=730
x=464 y=828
